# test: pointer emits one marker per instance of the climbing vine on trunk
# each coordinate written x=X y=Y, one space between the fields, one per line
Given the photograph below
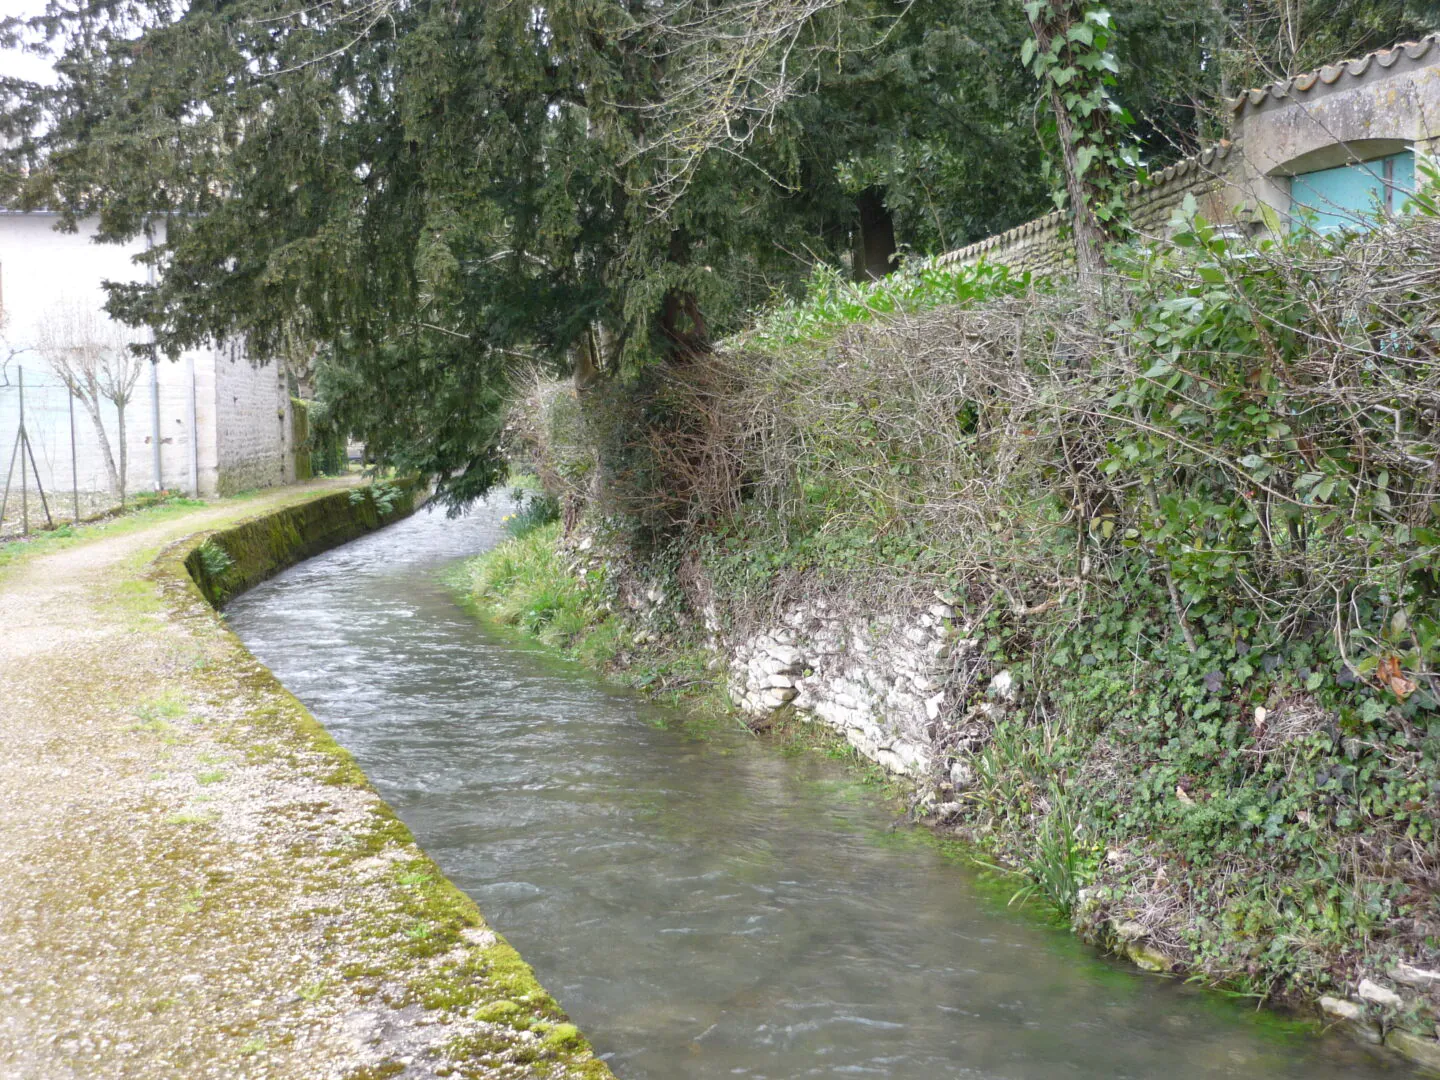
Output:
x=1069 y=55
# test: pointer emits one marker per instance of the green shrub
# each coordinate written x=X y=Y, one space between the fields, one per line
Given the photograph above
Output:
x=534 y=509
x=215 y=559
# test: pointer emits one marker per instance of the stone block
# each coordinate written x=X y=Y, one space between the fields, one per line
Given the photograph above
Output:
x=1419 y=978
x=961 y=775
x=1350 y=1015
x=786 y=655
x=1378 y=995
x=1418 y=1049
x=1002 y=686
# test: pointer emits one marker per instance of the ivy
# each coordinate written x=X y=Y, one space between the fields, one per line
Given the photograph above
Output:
x=1070 y=56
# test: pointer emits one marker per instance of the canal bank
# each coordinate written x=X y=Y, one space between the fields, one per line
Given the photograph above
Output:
x=195 y=880
x=705 y=906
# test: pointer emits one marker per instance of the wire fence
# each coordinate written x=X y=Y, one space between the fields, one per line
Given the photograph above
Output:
x=53 y=453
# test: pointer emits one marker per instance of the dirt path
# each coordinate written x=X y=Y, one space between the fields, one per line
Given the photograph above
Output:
x=194 y=881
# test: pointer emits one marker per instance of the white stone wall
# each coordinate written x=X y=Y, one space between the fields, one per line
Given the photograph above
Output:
x=899 y=688
x=252 y=423
x=40 y=269
x=241 y=431
x=909 y=689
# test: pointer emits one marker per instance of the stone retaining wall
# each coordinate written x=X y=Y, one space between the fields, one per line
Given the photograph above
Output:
x=891 y=686
x=262 y=547
x=459 y=1001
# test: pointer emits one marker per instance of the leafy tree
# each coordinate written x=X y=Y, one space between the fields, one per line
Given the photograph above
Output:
x=425 y=194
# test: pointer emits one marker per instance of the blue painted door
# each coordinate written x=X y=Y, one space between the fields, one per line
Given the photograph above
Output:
x=1347 y=197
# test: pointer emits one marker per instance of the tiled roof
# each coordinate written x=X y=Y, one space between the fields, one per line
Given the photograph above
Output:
x=1382 y=59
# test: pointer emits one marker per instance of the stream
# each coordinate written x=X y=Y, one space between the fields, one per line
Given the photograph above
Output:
x=709 y=906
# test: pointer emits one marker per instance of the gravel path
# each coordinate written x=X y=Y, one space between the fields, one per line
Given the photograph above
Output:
x=195 y=881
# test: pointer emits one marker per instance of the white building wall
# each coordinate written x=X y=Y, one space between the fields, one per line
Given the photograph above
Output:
x=207 y=427
x=241 y=431
x=252 y=410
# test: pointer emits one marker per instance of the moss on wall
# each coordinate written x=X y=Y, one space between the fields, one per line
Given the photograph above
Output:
x=235 y=559
x=426 y=942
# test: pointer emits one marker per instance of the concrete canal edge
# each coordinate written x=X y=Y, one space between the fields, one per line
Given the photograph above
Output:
x=434 y=990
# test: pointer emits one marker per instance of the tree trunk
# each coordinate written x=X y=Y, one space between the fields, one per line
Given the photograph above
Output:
x=874 y=255
x=124 y=453
x=1089 y=235
x=92 y=406
x=685 y=342
x=587 y=367
x=1054 y=22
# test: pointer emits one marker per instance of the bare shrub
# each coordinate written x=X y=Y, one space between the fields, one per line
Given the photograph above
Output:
x=1259 y=422
x=92 y=356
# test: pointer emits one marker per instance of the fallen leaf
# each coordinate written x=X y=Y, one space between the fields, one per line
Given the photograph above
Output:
x=1182 y=796
x=1389 y=675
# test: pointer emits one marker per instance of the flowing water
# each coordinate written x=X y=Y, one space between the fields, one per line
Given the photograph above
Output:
x=708 y=906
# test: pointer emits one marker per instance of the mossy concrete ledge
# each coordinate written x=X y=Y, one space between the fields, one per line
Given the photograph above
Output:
x=399 y=963
x=226 y=562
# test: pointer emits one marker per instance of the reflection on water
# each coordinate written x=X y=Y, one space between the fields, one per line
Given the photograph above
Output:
x=706 y=908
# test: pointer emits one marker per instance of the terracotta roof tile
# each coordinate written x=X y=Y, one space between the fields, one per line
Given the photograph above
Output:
x=1331 y=73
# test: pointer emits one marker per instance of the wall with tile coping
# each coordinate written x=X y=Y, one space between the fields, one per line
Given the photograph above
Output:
x=1355 y=110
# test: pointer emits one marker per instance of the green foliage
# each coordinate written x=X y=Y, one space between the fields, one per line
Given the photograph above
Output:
x=1284 y=450
x=1265 y=824
x=830 y=302
x=1252 y=50
x=527 y=584
x=381 y=494
x=215 y=559
x=328 y=444
x=534 y=509
x=1070 y=56
x=1060 y=863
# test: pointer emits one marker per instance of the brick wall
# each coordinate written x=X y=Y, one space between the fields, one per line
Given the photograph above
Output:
x=252 y=422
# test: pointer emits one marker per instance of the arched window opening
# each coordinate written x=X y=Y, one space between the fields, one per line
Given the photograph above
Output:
x=1350 y=196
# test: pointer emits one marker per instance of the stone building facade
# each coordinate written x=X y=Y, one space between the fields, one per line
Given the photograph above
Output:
x=1319 y=150
x=220 y=422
